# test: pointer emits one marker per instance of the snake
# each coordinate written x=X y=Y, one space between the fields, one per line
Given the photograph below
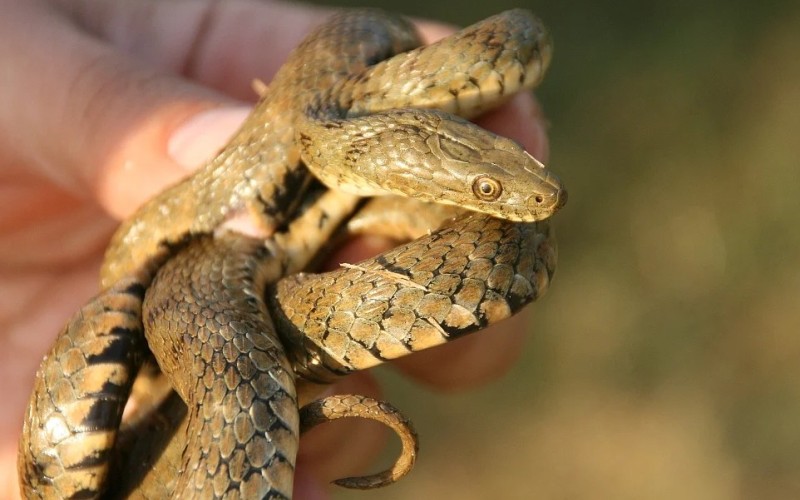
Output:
x=242 y=330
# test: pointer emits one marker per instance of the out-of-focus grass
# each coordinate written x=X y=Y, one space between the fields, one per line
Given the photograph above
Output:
x=665 y=361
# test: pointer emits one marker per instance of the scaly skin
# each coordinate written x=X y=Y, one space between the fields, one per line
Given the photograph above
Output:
x=332 y=104
x=472 y=272
x=327 y=81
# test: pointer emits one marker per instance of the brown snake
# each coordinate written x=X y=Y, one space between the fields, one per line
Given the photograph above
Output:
x=347 y=106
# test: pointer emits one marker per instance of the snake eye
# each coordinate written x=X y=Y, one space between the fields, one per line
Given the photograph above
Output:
x=486 y=188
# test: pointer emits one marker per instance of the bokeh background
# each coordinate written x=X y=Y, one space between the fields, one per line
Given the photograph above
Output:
x=665 y=360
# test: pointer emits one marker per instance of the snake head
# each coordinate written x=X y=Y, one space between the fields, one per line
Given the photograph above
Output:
x=491 y=174
x=434 y=157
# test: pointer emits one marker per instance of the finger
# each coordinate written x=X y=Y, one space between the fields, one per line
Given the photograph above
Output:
x=72 y=103
x=223 y=45
x=523 y=120
x=346 y=446
x=470 y=361
x=196 y=39
x=93 y=120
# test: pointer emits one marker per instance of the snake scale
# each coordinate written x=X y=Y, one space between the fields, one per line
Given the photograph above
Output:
x=241 y=332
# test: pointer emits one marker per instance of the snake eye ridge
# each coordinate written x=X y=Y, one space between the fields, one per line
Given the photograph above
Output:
x=487 y=188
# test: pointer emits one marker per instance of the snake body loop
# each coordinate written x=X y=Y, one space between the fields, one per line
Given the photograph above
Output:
x=362 y=136
x=225 y=316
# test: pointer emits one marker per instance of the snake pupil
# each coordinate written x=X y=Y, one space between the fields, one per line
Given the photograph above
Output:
x=487 y=188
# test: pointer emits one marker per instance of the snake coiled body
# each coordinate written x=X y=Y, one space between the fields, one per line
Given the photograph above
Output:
x=225 y=316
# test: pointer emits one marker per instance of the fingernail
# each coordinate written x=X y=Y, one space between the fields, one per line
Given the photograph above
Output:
x=202 y=135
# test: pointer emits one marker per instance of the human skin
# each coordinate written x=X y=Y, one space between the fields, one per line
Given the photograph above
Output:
x=103 y=103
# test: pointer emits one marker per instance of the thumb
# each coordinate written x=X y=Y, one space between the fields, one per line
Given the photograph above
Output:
x=114 y=125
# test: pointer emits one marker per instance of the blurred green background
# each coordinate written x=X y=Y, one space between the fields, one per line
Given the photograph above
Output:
x=665 y=360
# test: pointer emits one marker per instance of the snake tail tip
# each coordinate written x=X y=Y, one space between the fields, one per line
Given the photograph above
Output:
x=363 y=482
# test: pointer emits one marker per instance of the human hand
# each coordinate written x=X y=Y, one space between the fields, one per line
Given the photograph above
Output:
x=103 y=104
